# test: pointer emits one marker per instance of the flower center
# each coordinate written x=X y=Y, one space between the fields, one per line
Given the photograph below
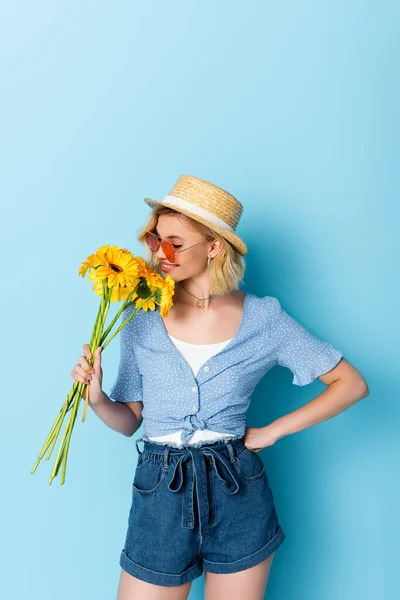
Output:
x=115 y=268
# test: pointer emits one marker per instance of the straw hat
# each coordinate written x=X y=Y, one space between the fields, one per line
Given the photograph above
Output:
x=207 y=203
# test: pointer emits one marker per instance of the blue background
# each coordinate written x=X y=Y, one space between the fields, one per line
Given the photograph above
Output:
x=293 y=108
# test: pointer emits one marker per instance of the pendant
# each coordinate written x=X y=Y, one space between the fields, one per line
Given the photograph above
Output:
x=200 y=303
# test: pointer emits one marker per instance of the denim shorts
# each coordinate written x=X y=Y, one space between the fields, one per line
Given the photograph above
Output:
x=193 y=508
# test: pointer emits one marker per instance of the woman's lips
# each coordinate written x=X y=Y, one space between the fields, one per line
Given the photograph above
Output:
x=166 y=267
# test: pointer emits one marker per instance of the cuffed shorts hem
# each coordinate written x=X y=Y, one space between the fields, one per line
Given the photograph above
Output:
x=156 y=577
x=247 y=561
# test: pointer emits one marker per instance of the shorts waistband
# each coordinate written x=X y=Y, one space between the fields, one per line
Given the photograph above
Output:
x=161 y=447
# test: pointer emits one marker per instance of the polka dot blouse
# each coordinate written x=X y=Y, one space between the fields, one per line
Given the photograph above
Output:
x=152 y=369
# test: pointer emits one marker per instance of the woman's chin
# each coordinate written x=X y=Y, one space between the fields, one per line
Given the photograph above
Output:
x=171 y=272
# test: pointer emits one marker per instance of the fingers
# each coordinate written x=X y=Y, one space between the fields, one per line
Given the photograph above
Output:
x=86 y=351
x=85 y=365
x=81 y=375
x=83 y=371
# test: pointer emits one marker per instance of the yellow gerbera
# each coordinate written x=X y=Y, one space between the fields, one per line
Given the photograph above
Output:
x=167 y=293
x=117 y=265
x=92 y=260
x=144 y=269
x=163 y=290
x=148 y=305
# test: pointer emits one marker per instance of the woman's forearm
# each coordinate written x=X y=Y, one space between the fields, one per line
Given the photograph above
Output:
x=336 y=398
x=116 y=415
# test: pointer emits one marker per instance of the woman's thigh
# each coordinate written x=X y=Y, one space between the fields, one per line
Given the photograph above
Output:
x=250 y=583
x=132 y=588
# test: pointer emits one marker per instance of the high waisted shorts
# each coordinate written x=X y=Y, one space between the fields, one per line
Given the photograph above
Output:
x=198 y=508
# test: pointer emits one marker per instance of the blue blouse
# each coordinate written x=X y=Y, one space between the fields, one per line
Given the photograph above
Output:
x=152 y=369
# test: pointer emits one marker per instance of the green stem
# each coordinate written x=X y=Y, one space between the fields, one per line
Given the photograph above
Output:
x=115 y=319
x=105 y=344
x=59 y=454
x=105 y=304
x=96 y=321
x=55 y=436
x=56 y=425
x=71 y=426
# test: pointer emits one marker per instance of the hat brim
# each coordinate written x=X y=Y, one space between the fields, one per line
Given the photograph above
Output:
x=232 y=237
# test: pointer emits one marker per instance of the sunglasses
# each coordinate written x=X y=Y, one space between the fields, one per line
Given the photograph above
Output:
x=169 y=249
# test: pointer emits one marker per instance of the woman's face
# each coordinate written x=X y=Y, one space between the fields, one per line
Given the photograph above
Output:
x=190 y=263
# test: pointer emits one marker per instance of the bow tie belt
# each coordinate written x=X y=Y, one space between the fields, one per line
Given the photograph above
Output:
x=195 y=475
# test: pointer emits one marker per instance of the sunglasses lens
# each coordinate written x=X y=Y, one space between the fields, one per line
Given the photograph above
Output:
x=154 y=244
x=169 y=251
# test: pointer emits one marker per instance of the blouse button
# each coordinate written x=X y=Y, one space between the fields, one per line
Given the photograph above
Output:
x=194 y=389
x=206 y=369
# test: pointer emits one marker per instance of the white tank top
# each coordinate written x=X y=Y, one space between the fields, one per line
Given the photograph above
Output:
x=196 y=355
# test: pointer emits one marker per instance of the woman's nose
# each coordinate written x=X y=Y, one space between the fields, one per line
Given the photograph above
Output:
x=160 y=253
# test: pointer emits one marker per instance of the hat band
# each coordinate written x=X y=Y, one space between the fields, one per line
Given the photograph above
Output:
x=197 y=210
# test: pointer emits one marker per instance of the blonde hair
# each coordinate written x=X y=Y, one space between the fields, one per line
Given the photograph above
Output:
x=226 y=268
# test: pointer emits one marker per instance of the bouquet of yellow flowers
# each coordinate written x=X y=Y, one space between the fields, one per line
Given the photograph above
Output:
x=118 y=276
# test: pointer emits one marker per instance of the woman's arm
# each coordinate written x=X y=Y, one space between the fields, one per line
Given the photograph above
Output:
x=346 y=386
x=120 y=416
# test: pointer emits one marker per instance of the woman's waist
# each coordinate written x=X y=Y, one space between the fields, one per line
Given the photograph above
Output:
x=199 y=435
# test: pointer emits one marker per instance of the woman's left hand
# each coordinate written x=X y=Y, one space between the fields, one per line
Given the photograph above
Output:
x=257 y=438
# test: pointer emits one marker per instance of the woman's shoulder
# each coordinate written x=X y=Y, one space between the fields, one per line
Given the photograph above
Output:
x=267 y=306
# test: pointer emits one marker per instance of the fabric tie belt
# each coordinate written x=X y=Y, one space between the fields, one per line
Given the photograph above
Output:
x=194 y=476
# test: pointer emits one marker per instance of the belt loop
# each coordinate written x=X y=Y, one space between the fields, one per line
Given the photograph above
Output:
x=230 y=449
x=166 y=454
x=137 y=447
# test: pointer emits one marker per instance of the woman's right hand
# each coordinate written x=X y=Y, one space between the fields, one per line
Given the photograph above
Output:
x=89 y=374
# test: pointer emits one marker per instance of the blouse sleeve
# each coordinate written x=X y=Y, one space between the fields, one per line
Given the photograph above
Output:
x=294 y=347
x=128 y=385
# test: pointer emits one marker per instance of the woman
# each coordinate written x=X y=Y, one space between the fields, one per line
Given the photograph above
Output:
x=201 y=499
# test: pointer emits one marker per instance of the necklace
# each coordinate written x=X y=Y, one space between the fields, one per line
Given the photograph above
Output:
x=200 y=301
